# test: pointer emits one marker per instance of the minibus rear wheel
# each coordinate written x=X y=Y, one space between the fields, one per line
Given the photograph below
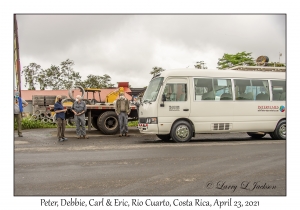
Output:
x=181 y=131
x=164 y=137
x=256 y=135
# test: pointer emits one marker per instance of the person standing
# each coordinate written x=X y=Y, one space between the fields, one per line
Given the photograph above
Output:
x=123 y=110
x=19 y=104
x=60 y=119
x=137 y=105
x=79 y=109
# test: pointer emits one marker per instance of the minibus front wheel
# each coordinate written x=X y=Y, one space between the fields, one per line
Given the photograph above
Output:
x=181 y=131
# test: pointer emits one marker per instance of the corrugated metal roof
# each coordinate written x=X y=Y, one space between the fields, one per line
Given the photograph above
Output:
x=27 y=94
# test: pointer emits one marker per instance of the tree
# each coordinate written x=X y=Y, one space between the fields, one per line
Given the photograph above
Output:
x=200 y=65
x=53 y=78
x=31 y=73
x=68 y=76
x=156 y=70
x=230 y=60
x=94 y=81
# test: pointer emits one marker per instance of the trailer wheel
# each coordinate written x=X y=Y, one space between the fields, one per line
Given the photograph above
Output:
x=94 y=123
x=108 y=123
x=280 y=130
x=256 y=135
x=164 y=137
x=181 y=131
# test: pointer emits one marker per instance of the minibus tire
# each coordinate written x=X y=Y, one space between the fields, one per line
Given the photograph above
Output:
x=164 y=137
x=280 y=130
x=181 y=131
x=256 y=135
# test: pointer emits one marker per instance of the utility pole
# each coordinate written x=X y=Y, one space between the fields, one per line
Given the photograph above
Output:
x=17 y=64
x=280 y=54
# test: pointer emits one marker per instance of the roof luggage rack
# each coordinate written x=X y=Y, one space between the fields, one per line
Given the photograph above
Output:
x=259 y=68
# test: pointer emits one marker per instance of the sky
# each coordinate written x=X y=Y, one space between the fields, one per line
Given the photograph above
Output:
x=127 y=47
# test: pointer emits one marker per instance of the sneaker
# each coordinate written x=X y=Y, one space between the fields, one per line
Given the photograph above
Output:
x=65 y=139
x=20 y=135
x=60 y=139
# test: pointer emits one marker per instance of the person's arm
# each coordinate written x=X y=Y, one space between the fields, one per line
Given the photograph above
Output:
x=84 y=109
x=128 y=106
x=24 y=103
x=73 y=109
x=116 y=108
x=57 y=110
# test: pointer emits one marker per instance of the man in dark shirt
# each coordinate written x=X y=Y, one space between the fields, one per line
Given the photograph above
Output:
x=79 y=109
x=60 y=119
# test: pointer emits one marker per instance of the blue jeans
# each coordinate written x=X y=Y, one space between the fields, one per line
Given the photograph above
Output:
x=123 y=121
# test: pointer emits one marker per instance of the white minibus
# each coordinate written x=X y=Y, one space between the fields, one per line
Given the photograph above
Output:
x=179 y=103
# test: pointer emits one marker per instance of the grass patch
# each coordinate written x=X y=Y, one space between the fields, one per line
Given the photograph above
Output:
x=28 y=123
x=133 y=123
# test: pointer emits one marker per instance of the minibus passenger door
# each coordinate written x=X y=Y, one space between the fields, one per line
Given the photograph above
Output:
x=174 y=103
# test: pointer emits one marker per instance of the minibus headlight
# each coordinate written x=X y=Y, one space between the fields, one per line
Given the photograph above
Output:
x=151 y=120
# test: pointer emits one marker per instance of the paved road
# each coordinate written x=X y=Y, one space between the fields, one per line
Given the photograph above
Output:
x=211 y=164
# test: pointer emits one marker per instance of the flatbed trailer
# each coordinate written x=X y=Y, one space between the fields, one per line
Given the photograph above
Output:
x=102 y=116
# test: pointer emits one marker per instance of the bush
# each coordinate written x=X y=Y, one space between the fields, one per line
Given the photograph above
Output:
x=28 y=123
x=133 y=123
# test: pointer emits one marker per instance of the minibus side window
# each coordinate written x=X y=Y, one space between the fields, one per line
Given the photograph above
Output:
x=176 y=92
x=243 y=89
x=212 y=89
x=260 y=90
x=252 y=90
x=278 y=90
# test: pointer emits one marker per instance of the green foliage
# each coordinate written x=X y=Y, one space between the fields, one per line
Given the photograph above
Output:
x=133 y=123
x=61 y=77
x=68 y=76
x=94 y=81
x=52 y=77
x=31 y=74
x=230 y=60
x=28 y=123
x=156 y=70
x=200 y=65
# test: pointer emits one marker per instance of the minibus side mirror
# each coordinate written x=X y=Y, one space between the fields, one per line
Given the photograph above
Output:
x=163 y=98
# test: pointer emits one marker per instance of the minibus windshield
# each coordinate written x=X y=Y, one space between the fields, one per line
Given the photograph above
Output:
x=153 y=89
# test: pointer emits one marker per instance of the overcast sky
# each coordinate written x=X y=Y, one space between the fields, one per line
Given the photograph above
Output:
x=127 y=47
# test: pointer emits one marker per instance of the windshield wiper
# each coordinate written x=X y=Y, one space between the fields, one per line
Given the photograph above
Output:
x=147 y=100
